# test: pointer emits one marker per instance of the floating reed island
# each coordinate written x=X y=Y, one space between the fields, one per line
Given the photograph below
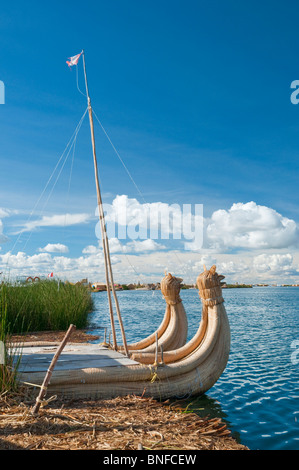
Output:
x=122 y=423
x=163 y=365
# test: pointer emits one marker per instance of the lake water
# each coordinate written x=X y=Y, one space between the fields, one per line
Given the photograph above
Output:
x=258 y=393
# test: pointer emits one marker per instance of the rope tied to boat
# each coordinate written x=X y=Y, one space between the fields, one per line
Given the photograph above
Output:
x=212 y=301
x=44 y=402
x=154 y=373
x=42 y=387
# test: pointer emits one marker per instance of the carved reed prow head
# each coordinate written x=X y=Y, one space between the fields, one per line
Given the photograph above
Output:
x=209 y=285
x=170 y=288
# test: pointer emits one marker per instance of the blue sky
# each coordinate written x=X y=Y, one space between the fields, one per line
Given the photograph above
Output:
x=195 y=97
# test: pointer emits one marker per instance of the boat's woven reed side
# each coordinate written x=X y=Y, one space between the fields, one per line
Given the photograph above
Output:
x=174 y=336
x=176 y=354
x=140 y=371
x=172 y=333
x=209 y=285
x=194 y=373
x=149 y=340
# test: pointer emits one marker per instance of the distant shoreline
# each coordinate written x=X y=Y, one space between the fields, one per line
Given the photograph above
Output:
x=237 y=286
x=184 y=287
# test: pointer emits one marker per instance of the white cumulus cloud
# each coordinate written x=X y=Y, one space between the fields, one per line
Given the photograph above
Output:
x=61 y=220
x=140 y=246
x=3 y=213
x=90 y=250
x=135 y=246
x=278 y=264
x=54 y=248
x=3 y=238
x=243 y=226
x=127 y=218
x=41 y=264
x=250 y=226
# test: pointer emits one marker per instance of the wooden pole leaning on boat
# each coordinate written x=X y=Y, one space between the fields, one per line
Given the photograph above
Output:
x=104 y=233
x=99 y=200
x=106 y=249
x=156 y=354
x=47 y=378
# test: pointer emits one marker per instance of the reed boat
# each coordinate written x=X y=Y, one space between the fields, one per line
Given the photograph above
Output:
x=91 y=371
x=162 y=365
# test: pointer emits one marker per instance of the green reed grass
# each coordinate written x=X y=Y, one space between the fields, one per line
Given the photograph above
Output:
x=10 y=356
x=47 y=305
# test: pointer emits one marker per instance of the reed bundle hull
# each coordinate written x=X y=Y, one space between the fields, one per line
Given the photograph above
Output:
x=191 y=372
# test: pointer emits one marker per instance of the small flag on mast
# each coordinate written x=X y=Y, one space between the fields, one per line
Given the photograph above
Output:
x=74 y=60
x=51 y=275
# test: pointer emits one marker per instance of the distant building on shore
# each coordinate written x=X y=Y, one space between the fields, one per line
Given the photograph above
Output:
x=99 y=286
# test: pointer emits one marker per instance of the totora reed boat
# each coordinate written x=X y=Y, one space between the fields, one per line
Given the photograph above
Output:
x=163 y=365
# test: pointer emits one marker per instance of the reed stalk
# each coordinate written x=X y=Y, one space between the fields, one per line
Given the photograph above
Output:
x=47 y=306
x=9 y=357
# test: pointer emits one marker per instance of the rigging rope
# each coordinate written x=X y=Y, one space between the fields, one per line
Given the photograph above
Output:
x=70 y=178
x=68 y=147
x=70 y=144
x=118 y=155
x=139 y=275
x=73 y=142
x=128 y=172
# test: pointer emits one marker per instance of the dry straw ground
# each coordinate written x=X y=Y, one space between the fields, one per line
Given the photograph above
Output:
x=118 y=424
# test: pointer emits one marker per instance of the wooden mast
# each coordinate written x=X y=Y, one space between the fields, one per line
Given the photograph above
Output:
x=108 y=268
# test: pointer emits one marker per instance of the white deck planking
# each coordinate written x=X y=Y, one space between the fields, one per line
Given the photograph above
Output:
x=73 y=356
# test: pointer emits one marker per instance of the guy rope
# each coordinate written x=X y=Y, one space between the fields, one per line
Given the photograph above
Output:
x=107 y=259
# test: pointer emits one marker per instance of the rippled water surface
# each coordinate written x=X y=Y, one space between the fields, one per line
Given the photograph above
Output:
x=258 y=393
